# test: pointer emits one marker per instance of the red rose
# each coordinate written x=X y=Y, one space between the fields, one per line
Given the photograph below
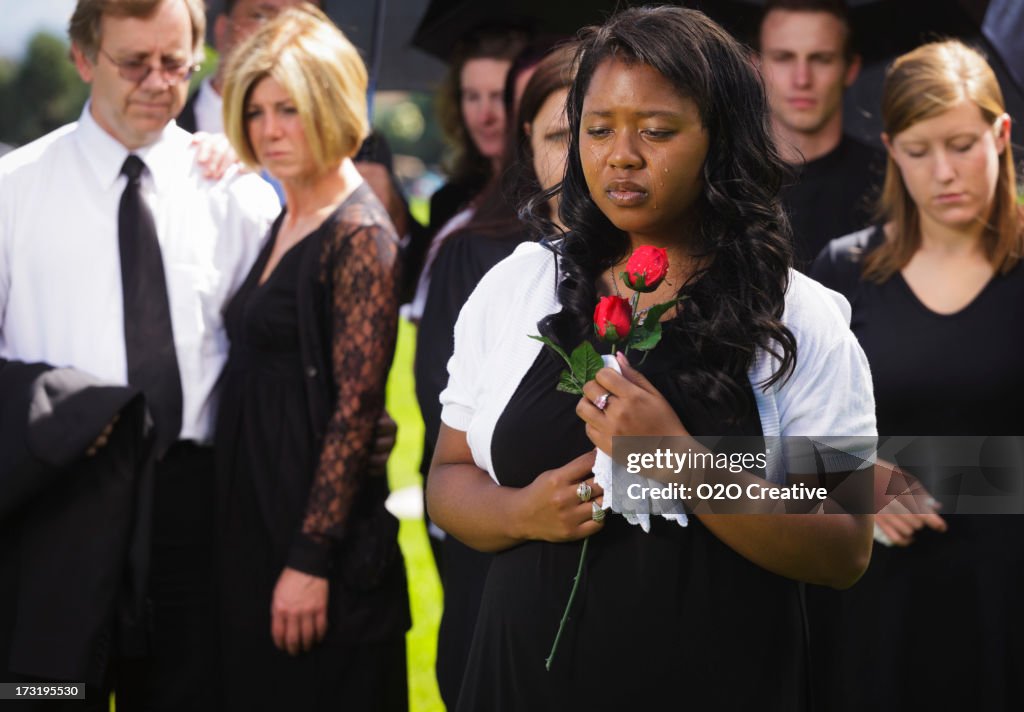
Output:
x=646 y=268
x=612 y=319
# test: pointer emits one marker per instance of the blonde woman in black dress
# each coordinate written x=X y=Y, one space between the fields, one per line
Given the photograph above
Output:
x=313 y=596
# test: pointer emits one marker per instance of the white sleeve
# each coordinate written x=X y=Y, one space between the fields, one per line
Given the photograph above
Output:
x=491 y=336
x=491 y=310
x=829 y=393
x=829 y=397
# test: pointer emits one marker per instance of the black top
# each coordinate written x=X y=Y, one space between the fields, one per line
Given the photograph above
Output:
x=449 y=199
x=932 y=372
x=671 y=619
x=937 y=624
x=833 y=195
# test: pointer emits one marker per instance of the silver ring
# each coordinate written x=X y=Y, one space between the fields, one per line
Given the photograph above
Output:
x=602 y=401
x=584 y=492
x=596 y=512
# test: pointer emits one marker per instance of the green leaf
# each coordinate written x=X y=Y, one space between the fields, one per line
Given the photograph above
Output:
x=649 y=338
x=568 y=384
x=586 y=362
x=654 y=314
x=558 y=349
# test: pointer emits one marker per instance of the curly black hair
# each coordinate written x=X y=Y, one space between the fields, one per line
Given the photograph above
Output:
x=733 y=305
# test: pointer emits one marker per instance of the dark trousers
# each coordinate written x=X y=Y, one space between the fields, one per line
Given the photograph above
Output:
x=180 y=674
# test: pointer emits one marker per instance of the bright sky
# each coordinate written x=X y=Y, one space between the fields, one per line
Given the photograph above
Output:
x=23 y=18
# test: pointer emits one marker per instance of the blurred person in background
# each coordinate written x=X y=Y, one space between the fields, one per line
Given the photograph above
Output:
x=471 y=107
x=536 y=145
x=937 y=291
x=314 y=605
x=808 y=59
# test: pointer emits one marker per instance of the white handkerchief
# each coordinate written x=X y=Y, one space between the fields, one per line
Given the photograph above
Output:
x=639 y=510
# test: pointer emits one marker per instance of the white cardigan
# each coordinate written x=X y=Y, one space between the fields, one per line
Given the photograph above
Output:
x=828 y=394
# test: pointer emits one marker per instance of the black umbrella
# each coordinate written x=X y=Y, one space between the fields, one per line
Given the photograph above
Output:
x=447 y=21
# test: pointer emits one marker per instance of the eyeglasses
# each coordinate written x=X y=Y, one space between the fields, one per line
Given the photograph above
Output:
x=137 y=71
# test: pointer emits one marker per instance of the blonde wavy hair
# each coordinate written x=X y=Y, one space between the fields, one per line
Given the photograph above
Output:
x=303 y=51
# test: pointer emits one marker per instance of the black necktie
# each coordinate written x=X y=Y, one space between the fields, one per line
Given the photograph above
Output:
x=148 y=336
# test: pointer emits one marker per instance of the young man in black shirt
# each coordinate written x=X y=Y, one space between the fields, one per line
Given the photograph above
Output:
x=807 y=60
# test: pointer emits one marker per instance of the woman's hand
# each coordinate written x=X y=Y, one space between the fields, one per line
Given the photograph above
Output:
x=899 y=525
x=550 y=508
x=904 y=505
x=632 y=407
x=465 y=502
x=214 y=154
x=298 y=611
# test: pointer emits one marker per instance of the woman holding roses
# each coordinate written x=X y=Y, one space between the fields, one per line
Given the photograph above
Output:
x=669 y=147
x=313 y=596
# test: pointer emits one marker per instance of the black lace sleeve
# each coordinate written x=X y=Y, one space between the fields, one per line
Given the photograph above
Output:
x=360 y=267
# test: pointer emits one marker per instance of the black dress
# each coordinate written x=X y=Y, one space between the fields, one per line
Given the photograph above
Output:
x=937 y=624
x=461 y=262
x=672 y=619
x=267 y=456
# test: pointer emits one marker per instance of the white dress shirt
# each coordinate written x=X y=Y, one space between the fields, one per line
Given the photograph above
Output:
x=60 y=265
x=209 y=108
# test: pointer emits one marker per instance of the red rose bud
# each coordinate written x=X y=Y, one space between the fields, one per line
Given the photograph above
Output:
x=612 y=319
x=646 y=268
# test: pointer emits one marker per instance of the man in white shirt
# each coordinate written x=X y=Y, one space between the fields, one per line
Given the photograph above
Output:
x=62 y=249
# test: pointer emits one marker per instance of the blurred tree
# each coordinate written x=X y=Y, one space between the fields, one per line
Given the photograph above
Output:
x=44 y=93
x=8 y=70
x=407 y=119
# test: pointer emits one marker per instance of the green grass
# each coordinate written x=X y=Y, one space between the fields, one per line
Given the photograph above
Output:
x=424 y=586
